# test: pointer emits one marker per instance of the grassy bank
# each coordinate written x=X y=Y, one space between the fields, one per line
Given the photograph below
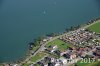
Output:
x=1 y=65
x=97 y=63
x=38 y=56
x=95 y=27
x=35 y=58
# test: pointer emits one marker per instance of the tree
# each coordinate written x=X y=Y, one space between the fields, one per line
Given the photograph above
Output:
x=41 y=38
x=66 y=55
x=57 y=52
x=31 y=44
x=67 y=29
x=53 y=34
x=71 y=28
x=37 y=42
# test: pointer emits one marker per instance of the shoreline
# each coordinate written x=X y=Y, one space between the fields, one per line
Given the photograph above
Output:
x=28 y=54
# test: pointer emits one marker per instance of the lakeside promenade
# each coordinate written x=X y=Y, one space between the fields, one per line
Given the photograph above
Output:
x=90 y=24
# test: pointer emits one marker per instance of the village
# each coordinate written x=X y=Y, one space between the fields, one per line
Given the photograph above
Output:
x=69 y=49
x=83 y=43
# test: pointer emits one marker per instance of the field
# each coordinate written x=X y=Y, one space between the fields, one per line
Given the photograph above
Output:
x=95 y=27
x=82 y=64
x=97 y=63
x=35 y=48
x=60 y=44
x=38 y=56
x=0 y=64
x=25 y=64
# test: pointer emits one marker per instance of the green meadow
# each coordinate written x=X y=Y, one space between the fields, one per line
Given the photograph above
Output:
x=95 y=27
x=97 y=63
x=38 y=56
x=60 y=44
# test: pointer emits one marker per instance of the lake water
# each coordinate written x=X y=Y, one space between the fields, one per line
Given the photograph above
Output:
x=23 y=20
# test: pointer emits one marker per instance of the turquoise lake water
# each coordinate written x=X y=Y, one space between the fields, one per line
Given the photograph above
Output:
x=23 y=20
